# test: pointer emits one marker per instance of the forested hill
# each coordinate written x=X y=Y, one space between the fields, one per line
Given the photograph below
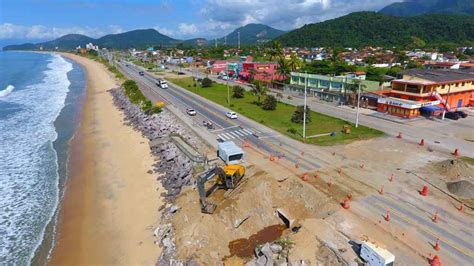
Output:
x=363 y=29
x=420 y=7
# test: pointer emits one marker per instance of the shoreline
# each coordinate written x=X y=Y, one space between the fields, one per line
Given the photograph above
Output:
x=109 y=207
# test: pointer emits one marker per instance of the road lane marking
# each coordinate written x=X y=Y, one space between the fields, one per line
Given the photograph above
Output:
x=222 y=129
x=240 y=133
x=249 y=132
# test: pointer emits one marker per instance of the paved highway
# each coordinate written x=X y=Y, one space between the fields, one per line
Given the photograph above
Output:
x=237 y=130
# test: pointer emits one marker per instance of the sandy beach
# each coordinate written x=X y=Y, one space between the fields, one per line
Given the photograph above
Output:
x=110 y=207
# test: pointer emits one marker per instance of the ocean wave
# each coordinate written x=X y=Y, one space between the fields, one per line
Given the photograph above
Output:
x=9 y=89
x=29 y=171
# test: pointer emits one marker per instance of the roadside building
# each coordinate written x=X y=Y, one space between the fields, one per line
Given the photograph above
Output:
x=218 y=66
x=418 y=89
x=329 y=88
x=262 y=71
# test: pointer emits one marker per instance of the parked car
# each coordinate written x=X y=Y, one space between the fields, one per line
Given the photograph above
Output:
x=452 y=115
x=191 y=112
x=461 y=114
x=141 y=73
x=231 y=115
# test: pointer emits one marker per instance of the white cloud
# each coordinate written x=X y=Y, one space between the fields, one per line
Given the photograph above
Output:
x=14 y=31
x=187 y=29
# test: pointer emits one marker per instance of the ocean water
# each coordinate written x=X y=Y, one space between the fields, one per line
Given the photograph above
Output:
x=39 y=102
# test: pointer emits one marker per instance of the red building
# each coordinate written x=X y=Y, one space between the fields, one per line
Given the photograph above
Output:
x=263 y=71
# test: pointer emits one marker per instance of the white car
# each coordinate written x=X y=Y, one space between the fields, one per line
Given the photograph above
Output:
x=231 y=115
x=191 y=112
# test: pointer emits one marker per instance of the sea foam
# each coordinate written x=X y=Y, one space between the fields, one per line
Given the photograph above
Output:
x=28 y=169
x=9 y=89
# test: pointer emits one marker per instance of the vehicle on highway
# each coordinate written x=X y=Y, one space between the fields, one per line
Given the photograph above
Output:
x=452 y=115
x=461 y=114
x=191 y=112
x=141 y=73
x=208 y=124
x=162 y=84
x=231 y=115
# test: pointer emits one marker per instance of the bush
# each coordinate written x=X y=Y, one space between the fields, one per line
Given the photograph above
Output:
x=135 y=95
x=155 y=110
x=238 y=92
x=291 y=130
x=206 y=82
x=269 y=103
x=297 y=116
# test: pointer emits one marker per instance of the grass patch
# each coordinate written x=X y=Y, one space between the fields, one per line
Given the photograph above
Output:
x=147 y=65
x=280 y=119
x=111 y=68
x=468 y=160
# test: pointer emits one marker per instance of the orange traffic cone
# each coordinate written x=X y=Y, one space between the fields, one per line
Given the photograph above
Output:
x=387 y=217
x=435 y=217
x=345 y=204
x=456 y=152
x=305 y=177
x=422 y=142
x=436 y=246
x=400 y=136
x=381 y=190
x=461 y=207
x=435 y=261
x=424 y=191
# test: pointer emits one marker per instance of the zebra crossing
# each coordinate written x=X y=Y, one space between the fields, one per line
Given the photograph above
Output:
x=236 y=134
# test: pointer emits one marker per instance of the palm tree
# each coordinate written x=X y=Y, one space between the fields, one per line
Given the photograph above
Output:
x=283 y=68
x=259 y=90
x=275 y=51
x=294 y=63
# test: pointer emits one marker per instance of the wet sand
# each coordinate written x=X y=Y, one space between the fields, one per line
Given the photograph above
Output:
x=110 y=207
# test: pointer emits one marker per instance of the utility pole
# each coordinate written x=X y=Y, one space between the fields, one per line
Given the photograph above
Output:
x=304 y=108
x=228 y=91
x=446 y=102
x=358 y=105
x=215 y=42
x=238 y=39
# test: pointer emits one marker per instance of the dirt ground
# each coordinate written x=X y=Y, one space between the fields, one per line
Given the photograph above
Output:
x=381 y=176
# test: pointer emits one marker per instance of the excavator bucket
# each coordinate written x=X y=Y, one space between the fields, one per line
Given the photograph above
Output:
x=208 y=208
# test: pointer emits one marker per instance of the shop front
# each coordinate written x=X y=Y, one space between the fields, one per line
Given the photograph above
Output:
x=402 y=108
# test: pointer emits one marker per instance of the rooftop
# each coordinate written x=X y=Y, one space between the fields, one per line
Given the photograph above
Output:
x=442 y=75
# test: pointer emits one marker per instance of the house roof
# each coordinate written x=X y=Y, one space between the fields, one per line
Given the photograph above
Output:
x=442 y=75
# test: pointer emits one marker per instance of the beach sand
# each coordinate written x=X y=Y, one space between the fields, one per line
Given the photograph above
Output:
x=110 y=207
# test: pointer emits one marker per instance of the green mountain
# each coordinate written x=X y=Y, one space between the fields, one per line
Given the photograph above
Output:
x=135 y=39
x=130 y=39
x=251 y=34
x=69 y=41
x=420 y=7
x=362 y=29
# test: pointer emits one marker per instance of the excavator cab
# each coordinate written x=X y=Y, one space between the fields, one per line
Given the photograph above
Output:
x=228 y=178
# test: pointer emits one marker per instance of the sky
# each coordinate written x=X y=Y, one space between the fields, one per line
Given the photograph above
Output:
x=39 y=20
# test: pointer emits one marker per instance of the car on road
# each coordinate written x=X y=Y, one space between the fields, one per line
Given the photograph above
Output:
x=231 y=115
x=191 y=111
x=141 y=73
x=461 y=114
x=452 y=115
x=162 y=84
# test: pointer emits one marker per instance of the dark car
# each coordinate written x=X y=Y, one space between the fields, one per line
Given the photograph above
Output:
x=452 y=115
x=141 y=73
x=461 y=114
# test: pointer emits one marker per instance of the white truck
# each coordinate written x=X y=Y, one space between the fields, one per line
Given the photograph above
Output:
x=229 y=152
x=373 y=255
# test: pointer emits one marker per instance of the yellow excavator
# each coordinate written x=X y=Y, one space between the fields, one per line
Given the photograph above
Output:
x=227 y=177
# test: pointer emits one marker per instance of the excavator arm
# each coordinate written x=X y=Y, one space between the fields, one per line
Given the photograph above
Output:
x=207 y=207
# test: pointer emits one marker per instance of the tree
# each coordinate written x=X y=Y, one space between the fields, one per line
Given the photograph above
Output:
x=294 y=63
x=275 y=51
x=259 y=90
x=269 y=103
x=282 y=68
x=206 y=82
x=298 y=115
x=238 y=92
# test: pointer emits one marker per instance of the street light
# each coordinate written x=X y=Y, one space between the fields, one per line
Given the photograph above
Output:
x=228 y=91
x=358 y=104
x=304 y=108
